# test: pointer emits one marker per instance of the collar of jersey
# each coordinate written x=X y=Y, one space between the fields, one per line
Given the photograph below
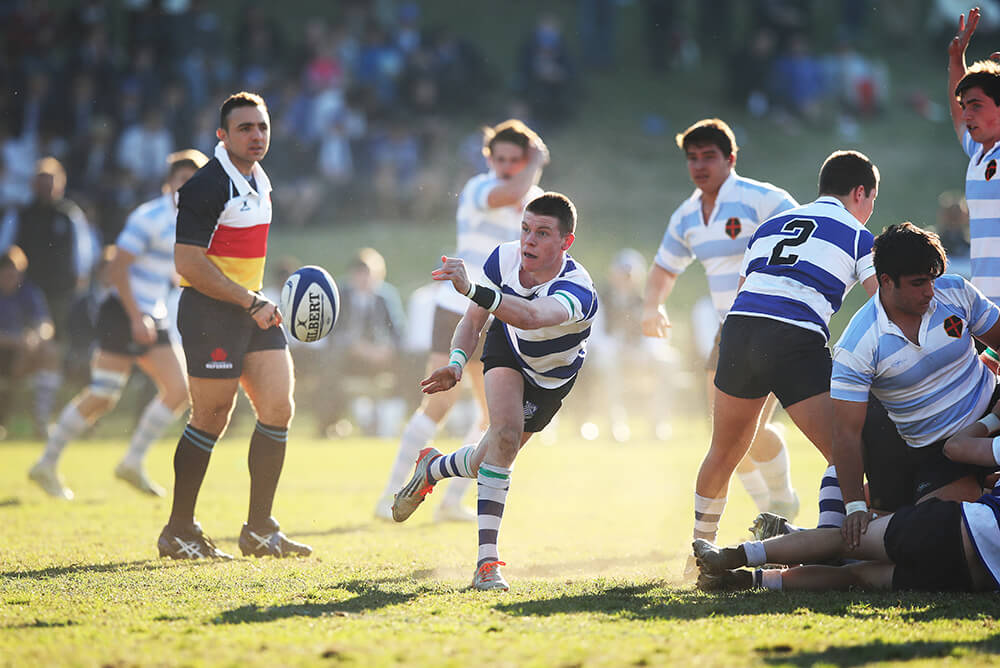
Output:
x=725 y=187
x=830 y=199
x=239 y=181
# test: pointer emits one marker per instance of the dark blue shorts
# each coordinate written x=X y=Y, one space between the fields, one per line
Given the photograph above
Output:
x=114 y=330
x=925 y=543
x=216 y=335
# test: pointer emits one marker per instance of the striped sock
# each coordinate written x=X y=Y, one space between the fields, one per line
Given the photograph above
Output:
x=756 y=487
x=494 y=482
x=456 y=465
x=456 y=489
x=190 y=463
x=265 y=460
x=69 y=425
x=155 y=419
x=831 y=501
x=417 y=435
x=707 y=512
x=777 y=475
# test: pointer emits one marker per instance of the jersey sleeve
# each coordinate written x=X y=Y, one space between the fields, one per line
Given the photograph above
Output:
x=491 y=268
x=864 y=266
x=774 y=202
x=674 y=253
x=198 y=207
x=981 y=313
x=481 y=193
x=580 y=301
x=852 y=376
x=133 y=237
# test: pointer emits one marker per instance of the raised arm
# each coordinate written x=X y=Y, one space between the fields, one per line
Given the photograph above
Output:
x=956 y=66
x=514 y=189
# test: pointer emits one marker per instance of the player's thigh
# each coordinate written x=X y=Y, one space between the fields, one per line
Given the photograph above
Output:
x=163 y=364
x=212 y=401
x=735 y=419
x=269 y=381
x=504 y=389
x=814 y=417
x=872 y=574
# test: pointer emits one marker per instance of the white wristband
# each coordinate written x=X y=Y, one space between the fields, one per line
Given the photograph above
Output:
x=996 y=450
x=991 y=422
x=458 y=357
x=855 y=506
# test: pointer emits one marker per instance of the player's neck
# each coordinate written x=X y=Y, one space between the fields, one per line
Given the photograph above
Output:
x=908 y=323
x=530 y=279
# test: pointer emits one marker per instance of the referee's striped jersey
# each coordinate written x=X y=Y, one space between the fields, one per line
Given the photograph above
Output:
x=481 y=228
x=149 y=235
x=740 y=207
x=801 y=263
x=930 y=390
x=982 y=193
x=220 y=210
x=550 y=356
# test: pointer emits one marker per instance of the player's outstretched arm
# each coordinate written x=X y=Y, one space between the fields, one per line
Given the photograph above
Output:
x=848 y=422
x=956 y=66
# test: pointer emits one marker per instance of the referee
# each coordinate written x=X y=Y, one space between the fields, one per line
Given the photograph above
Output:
x=230 y=333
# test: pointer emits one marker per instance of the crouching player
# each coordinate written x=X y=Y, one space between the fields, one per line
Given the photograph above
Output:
x=932 y=546
x=543 y=303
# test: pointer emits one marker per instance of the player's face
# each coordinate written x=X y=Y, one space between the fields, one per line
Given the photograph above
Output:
x=912 y=296
x=542 y=244
x=247 y=137
x=708 y=167
x=506 y=159
x=981 y=116
x=179 y=178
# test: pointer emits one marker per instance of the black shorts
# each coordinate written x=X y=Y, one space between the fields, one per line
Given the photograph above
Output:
x=216 y=335
x=114 y=330
x=445 y=322
x=540 y=404
x=712 y=361
x=925 y=543
x=758 y=356
x=900 y=475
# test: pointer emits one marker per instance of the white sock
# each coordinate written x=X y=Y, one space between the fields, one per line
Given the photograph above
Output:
x=996 y=450
x=155 y=418
x=69 y=425
x=777 y=476
x=417 y=434
x=756 y=555
x=756 y=487
x=769 y=578
x=831 y=501
x=494 y=483
x=47 y=384
x=707 y=512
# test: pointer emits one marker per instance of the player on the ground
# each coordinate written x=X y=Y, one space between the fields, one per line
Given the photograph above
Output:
x=797 y=268
x=974 y=102
x=543 y=303
x=933 y=546
x=490 y=209
x=912 y=347
x=714 y=225
x=132 y=329
x=230 y=333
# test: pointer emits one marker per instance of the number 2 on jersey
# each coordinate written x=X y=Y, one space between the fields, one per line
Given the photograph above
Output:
x=804 y=228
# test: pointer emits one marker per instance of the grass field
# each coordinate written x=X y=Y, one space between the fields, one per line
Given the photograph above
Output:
x=594 y=535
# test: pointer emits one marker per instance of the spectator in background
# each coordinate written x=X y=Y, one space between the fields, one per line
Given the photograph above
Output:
x=750 y=73
x=26 y=346
x=597 y=21
x=398 y=160
x=546 y=75
x=799 y=83
x=143 y=150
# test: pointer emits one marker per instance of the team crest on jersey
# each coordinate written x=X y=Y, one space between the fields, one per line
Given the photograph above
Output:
x=529 y=410
x=733 y=228
x=991 y=169
x=953 y=326
x=219 y=360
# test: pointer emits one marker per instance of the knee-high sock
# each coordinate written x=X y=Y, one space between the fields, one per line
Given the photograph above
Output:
x=777 y=475
x=265 y=460
x=155 y=418
x=190 y=463
x=69 y=425
x=494 y=483
x=707 y=513
x=455 y=490
x=47 y=384
x=456 y=465
x=831 y=501
x=417 y=434
x=756 y=487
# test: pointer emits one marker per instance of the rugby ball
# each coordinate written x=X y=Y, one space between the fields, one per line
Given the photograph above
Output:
x=310 y=303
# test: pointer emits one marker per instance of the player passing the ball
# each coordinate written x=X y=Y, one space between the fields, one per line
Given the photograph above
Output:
x=543 y=303
x=230 y=333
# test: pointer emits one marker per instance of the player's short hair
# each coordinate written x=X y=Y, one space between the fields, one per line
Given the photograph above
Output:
x=190 y=158
x=844 y=171
x=983 y=74
x=906 y=250
x=512 y=131
x=372 y=260
x=706 y=132
x=235 y=101
x=14 y=257
x=52 y=167
x=559 y=207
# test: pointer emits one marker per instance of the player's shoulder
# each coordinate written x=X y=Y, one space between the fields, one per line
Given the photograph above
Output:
x=862 y=329
x=210 y=179
x=574 y=271
x=480 y=180
x=747 y=186
x=153 y=209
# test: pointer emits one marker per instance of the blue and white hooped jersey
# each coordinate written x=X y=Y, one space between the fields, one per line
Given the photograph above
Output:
x=930 y=390
x=149 y=235
x=800 y=264
x=481 y=229
x=550 y=356
x=982 y=519
x=982 y=193
x=740 y=207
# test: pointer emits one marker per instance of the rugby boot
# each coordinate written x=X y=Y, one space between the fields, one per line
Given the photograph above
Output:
x=188 y=543
x=489 y=578
x=269 y=541
x=416 y=490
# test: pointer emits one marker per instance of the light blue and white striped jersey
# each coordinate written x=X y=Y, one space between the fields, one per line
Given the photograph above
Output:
x=982 y=193
x=982 y=519
x=481 y=229
x=149 y=236
x=740 y=207
x=930 y=390
x=550 y=356
x=800 y=264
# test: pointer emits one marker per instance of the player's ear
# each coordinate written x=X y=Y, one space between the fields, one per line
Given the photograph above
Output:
x=220 y=133
x=568 y=240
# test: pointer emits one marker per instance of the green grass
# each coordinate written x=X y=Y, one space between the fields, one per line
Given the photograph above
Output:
x=594 y=533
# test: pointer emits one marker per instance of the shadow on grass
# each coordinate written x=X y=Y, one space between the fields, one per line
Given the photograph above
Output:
x=857 y=655
x=368 y=595
x=10 y=501
x=295 y=535
x=58 y=571
x=657 y=600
